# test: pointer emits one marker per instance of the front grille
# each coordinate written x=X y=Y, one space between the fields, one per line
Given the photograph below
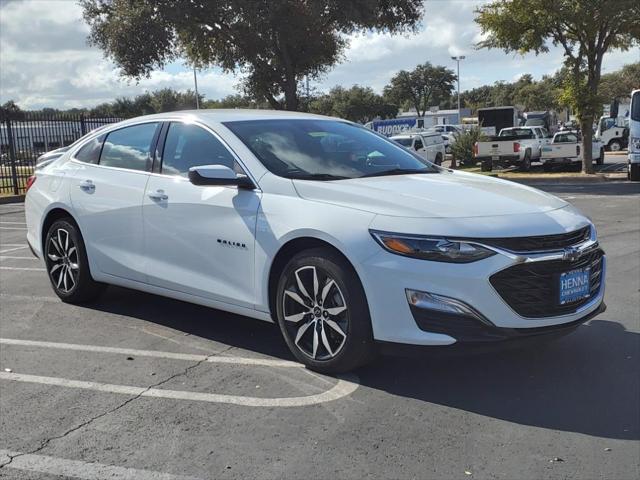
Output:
x=532 y=289
x=540 y=243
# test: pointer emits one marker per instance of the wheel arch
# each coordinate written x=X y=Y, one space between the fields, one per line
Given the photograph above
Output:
x=56 y=213
x=287 y=251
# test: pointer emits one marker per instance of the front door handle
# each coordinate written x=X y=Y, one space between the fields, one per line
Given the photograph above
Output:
x=158 y=195
x=87 y=186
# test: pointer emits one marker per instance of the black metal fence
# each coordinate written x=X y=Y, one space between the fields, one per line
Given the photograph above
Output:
x=25 y=136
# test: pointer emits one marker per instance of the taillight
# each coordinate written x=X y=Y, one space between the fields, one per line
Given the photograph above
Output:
x=475 y=149
x=516 y=147
x=30 y=181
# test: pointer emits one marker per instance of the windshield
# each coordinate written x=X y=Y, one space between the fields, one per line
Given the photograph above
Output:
x=325 y=149
x=635 y=107
x=535 y=122
x=517 y=132
x=404 y=141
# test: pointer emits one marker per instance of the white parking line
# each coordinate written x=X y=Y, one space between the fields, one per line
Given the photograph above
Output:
x=12 y=223
x=23 y=268
x=79 y=469
x=345 y=386
x=13 y=228
x=15 y=247
x=191 y=357
x=11 y=257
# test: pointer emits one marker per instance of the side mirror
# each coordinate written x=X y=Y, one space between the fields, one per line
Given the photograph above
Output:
x=218 y=175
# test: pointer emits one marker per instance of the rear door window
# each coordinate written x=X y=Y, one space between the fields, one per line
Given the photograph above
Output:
x=90 y=152
x=129 y=147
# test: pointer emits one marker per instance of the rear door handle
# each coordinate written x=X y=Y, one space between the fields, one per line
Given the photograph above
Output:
x=87 y=186
x=158 y=195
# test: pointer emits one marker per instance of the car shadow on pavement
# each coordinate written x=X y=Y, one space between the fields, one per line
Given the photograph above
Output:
x=207 y=323
x=586 y=382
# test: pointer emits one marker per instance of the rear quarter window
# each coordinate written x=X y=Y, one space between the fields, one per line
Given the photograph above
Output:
x=90 y=152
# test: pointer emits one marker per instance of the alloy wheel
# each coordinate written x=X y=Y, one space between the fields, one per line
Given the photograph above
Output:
x=63 y=266
x=315 y=313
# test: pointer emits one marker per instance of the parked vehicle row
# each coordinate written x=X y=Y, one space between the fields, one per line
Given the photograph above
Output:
x=633 y=165
x=346 y=240
x=515 y=146
x=566 y=149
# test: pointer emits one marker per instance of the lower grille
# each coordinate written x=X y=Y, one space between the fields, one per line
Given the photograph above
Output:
x=532 y=289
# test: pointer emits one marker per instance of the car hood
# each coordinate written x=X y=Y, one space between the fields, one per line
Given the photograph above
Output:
x=437 y=195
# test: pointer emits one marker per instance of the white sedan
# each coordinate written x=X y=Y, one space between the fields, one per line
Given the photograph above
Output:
x=342 y=237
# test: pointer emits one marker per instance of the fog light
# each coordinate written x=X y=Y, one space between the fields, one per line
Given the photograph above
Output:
x=440 y=303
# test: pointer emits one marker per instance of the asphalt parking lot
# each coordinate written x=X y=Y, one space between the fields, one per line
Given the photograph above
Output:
x=138 y=386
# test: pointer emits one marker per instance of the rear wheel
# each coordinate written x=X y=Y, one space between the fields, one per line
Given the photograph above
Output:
x=67 y=264
x=525 y=165
x=486 y=166
x=322 y=312
x=438 y=160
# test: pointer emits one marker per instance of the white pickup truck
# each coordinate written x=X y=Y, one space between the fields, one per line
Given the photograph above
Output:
x=517 y=146
x=565 y=149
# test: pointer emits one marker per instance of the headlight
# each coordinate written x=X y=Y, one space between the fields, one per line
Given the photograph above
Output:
x=634 y=144
x=436 y=249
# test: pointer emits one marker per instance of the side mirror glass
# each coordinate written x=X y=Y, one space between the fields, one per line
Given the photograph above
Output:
x=218 y=175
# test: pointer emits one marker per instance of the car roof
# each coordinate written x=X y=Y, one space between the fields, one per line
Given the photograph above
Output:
x=228 y=115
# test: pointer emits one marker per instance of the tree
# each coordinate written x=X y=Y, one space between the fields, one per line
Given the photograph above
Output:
x=619 y=84
x=358 y=104
x=585 y=30
x=11 y=109
x=422 y=87
x=274 y=43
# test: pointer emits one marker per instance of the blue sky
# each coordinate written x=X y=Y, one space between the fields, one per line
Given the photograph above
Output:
x=45 y=61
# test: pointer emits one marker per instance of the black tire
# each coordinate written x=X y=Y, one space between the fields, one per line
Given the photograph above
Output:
x=486 y=166
x=615 y=146
x=438 y=160
x=67 y=264
x=600 y=159
x=311 y=325
x=634 y=172
x=525 y=165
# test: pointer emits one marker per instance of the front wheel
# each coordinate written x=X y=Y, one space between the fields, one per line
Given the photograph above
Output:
x=322 y=312
x=600 y=159
x=67 y=264
x=634 y=172
x=615 y=146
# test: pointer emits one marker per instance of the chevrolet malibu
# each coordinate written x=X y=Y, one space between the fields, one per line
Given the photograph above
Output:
x=343 y=238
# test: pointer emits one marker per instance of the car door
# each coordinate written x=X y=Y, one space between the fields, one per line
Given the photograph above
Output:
x=199 y=239
x=419 y=147
x=106 y=195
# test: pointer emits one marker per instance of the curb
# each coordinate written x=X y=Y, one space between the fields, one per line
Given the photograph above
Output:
x=12 y=199
x=596 y=178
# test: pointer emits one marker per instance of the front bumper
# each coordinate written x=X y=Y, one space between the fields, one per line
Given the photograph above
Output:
x=634 y=158
x=394 y=320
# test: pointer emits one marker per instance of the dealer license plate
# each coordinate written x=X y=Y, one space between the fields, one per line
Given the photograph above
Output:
x=574 y=285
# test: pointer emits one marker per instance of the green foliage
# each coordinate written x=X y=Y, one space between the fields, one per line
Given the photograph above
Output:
x=422 y=87
x=462 y=148
x=619 y=84
x=585 y=29
x=274 y=43
x=358 y=104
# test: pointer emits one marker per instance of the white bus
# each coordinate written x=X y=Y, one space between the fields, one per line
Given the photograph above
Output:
x=633 y=172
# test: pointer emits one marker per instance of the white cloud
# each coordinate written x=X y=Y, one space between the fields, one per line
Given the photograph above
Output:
x=45 y=60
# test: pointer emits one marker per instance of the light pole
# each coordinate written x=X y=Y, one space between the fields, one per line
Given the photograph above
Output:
x=195 y=81
x=457 y=59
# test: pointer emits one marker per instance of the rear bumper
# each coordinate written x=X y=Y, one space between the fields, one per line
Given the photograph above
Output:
x=501 y=158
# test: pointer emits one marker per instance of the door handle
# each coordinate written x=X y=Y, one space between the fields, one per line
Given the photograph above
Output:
x=87 y=186
x=158 y=195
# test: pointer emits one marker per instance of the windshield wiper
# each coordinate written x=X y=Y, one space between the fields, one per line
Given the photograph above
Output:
x=398 y=171
x=316 y=176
